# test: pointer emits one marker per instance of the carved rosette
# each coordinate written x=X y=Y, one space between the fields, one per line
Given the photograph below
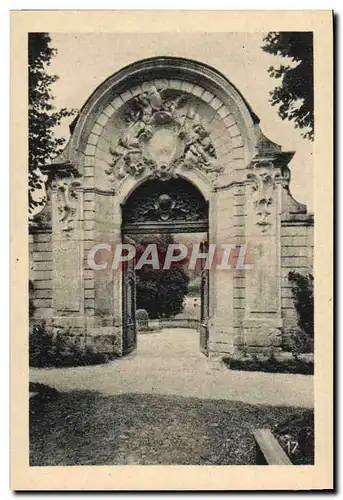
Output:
x=161 y=134
x=263 y=176
x=66 y=202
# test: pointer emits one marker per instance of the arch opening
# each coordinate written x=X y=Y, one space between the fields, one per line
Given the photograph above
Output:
x=160 y=213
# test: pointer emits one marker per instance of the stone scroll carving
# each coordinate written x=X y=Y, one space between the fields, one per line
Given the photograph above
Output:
x=162 y=132
x=263 y=175
x=66 y=200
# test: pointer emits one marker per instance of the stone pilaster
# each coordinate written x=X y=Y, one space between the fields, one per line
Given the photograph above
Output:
x=262 y=321
x=67 y=247
x=221 y=280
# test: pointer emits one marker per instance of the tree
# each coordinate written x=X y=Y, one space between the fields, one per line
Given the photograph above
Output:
x=294 y=96
x=161 y=291
x=302 y=289
x=43 y=116
x=302 y=338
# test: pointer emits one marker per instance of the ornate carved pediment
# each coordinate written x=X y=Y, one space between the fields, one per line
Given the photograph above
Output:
x=162 y=132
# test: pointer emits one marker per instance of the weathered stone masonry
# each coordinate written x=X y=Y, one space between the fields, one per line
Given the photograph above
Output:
x=159 y=118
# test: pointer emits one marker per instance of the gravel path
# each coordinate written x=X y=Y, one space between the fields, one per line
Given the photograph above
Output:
x=169 y=363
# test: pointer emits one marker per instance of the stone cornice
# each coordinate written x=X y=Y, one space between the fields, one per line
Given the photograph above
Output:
x=59 y=170
x=297 y=220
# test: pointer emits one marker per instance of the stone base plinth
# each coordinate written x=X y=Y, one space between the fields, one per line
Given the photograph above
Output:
x=104 y=335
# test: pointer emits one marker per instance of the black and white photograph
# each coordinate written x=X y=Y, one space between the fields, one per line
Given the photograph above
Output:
x=171 y=224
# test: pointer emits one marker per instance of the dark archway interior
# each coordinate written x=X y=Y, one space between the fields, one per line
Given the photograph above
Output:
x=164 y=212
x=173 y=205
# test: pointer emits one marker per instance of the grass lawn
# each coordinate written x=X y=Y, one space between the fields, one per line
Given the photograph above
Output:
x=89 y=428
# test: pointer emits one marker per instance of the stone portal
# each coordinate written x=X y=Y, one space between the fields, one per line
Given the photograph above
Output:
x=161 y=119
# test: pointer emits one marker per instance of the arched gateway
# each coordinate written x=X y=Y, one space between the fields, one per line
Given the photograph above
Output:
x=168 y=205
x=176 y=124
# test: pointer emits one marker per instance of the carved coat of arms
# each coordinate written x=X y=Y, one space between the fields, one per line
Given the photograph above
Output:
x=161 y=134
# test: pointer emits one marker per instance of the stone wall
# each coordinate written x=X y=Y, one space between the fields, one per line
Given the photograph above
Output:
x=40 y=273
x=296 y=255
x=65 y=292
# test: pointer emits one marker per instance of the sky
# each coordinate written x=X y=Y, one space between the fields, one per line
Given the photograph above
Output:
x=85 y=60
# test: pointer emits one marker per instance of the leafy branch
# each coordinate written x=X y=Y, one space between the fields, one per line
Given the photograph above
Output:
x=294 y=97
x=43 y=116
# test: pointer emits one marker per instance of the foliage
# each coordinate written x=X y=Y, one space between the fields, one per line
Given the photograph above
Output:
x=302 y=289
x=270 y=364
x=49 y=347
x=294 y=96
x=297 y=430
x=43 y=116
x=297 y=342
x=43 y=392
x=161 y=291
x=301 y=339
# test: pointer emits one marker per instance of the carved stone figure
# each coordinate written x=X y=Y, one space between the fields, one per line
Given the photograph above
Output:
x=263 y=178
x=199 y=150
x=162 y=133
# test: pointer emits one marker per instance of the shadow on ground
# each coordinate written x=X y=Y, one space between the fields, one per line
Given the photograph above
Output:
x=89 y=428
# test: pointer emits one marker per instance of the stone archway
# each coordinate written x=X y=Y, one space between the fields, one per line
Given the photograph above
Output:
x=155 y=119
x=171 y=205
